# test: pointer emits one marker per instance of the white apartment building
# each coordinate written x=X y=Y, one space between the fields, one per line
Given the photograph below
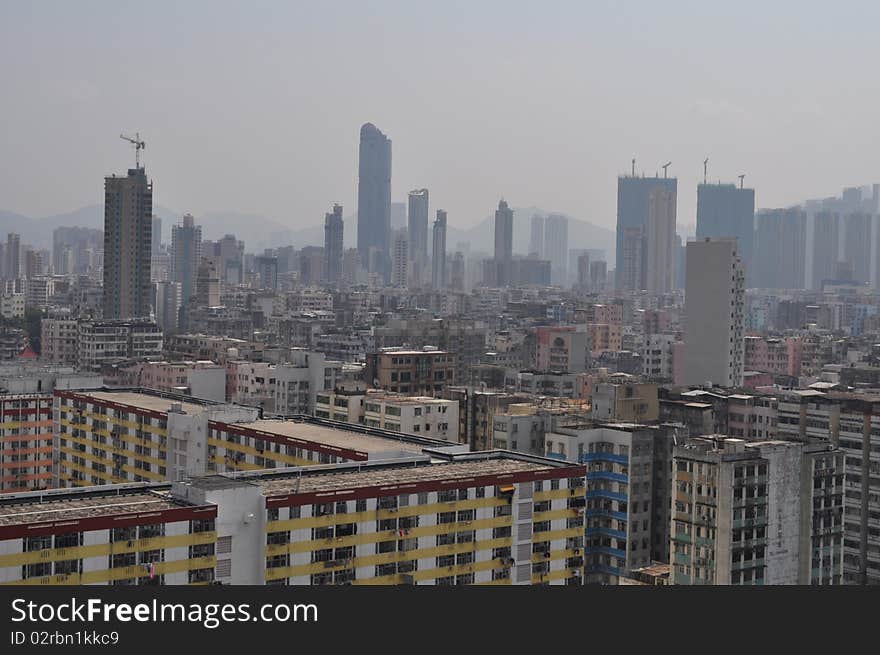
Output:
x=714 y=295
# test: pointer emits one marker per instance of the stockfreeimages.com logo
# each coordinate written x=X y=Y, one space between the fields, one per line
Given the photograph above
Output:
x=210 y=615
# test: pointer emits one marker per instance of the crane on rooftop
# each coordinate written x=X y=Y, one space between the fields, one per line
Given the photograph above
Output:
x=664 y=167
x=705 y=169
x=138 y=146
x=741 y=180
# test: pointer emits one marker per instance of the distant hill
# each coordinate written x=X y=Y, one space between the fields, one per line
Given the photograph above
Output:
x=260 y=232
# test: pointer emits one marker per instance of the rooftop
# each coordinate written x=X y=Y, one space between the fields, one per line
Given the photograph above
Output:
x=354 y=438
x=293 y=482
x=147 y=401
x=20 y=509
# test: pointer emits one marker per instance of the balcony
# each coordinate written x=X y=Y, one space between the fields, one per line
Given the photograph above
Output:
x=605 y=493
x=603 y=457
x=607 y=475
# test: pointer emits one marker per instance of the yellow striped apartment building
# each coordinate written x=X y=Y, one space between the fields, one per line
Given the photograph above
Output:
x=434 y=518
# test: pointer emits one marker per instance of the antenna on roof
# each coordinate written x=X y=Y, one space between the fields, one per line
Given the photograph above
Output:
x=705 y=169
x=634 y=167
x=741 y=180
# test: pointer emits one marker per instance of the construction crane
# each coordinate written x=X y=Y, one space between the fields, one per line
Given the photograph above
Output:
x=664 y=167
x=138 y=146
x=634 y=167
x=741 y=180
x=705 y=169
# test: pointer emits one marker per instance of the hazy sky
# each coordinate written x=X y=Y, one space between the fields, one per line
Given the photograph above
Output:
x=256 y=106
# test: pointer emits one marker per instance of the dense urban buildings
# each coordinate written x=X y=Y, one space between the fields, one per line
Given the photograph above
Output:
x=518 y=411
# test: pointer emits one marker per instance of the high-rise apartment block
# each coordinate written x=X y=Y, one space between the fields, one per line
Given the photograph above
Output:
x=646 y=211
x=780 y=248
x=333 y=245
x=725 y=210
x=556 y=247
x=714 y=296
x=438 y=252
x=757 y=512
x=186 y=252
x=417 y=228
x=128 y=227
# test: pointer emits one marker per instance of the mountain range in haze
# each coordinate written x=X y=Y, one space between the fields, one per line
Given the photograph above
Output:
x=260 y=232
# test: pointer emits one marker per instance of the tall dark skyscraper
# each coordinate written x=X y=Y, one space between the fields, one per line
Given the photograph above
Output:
x=646 y=209
x=374 y=201
x=826 y=242
x=438 y=254
x=725 y=210
x=501 y=264
x=780 y=248
x=417 y=229
x=128 y=227
x=333 y=249
x=503 y=232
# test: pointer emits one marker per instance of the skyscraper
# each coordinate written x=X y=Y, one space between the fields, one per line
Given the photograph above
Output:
x=167 y=305
x=501 y=264
x=583 y=272
x=714 y=295
x=156 y=235
x=374 y=200
x=186 y=252
x=418 y=235
x=207 y=292
x=266 y=267
x=398 y=215
x=456 y=281
x=128 y=227
x=648 y=205
x=723 y=210
x=780 y=248
x=660 y=252
x=598 y=275
x=536 y=241
x=438 y=254
x=556 y=248
x=857 y=244
x=400 y=258
x=503 y=232
x=333 y=245
x=630 y=262
x=13 y=256
x=826 y=239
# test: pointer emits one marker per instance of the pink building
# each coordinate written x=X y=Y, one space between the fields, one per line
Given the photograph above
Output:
x=774 y=356
x=561 y=348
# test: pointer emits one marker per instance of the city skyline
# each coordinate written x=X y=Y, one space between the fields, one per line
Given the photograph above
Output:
x=721 y=120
